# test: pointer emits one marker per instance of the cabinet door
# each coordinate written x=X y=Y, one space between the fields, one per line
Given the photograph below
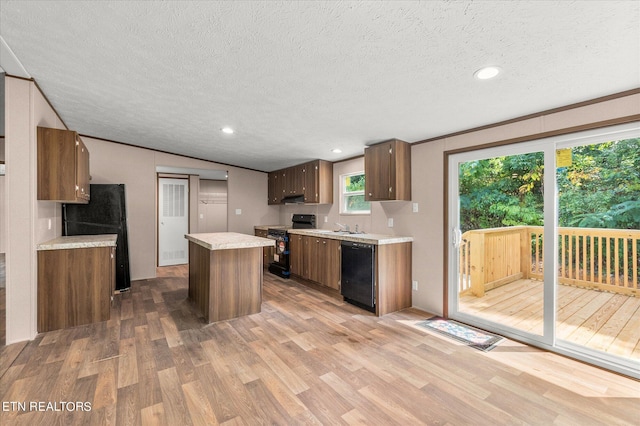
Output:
x=272 y=197
x=267 y=252
x=296 y=254
x=294 y=180
x=331 y=261
x=314 y=259
x=82 y=171
x=377 y=170
x=311 y=182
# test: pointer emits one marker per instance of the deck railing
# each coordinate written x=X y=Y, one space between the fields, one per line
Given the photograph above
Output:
x=604 y=259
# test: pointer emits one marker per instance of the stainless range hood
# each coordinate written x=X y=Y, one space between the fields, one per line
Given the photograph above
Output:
x=293 y=199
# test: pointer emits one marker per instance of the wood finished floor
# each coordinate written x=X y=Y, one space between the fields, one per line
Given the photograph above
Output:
x=307 y=358
x=3 y=300
x=599 y=320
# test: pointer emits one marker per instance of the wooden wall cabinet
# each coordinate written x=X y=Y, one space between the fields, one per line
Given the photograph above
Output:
x=313 y=180
x=387 y=169
x=318 y=182
x=74 y=286
x=63 y=166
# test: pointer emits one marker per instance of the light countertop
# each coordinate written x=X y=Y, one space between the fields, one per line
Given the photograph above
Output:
x=228 y=240
x=266 y=227
x=378 y=239
x=79 y=241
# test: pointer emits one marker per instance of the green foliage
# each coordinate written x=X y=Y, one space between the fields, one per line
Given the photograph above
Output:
x=355 y=183
x=357 y=203
x=501 y=191
x=600 y=189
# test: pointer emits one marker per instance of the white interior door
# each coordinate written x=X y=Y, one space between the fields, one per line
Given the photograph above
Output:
x=173 y=221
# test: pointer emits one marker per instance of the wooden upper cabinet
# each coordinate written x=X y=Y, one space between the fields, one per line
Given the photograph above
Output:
x=275 y=191
x=387 y=169
x=318 y=182
x=313 y=180
x=63 y=166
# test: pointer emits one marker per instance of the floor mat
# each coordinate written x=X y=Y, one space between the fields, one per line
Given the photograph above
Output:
x=470 y=336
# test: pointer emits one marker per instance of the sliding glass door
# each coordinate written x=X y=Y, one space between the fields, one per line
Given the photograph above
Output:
x=545 y=243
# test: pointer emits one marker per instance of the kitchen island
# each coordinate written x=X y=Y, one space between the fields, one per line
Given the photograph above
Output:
x=225 y=274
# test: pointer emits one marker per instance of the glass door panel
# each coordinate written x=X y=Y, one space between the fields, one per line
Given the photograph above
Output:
x=598 y=308
x=499 y=227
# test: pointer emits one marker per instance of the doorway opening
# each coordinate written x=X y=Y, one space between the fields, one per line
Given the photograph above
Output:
x=173 y=221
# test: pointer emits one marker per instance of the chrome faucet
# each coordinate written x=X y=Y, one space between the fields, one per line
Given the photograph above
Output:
x=343 y=227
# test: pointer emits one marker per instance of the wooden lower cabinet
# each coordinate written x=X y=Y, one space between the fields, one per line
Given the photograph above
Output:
x=74 y=286
x=296 y=254
x=316 y=259
x=267 y=252
x=393 y=277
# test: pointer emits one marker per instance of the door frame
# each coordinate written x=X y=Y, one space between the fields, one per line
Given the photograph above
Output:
x=168 y=176
x=564 y=138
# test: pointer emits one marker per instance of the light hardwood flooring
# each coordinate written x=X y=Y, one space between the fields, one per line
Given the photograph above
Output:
x=307 y=358
x=3 y=300
x=599 y=320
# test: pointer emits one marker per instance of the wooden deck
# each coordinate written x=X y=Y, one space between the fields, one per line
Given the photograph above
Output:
x=596 y=319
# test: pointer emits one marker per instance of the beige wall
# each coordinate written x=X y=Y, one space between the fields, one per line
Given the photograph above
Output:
x=136 y=168
x=212 y=206
x=27 y=221
x=427 y=181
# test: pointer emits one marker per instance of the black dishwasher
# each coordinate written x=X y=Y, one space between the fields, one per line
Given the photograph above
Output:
x=358 y=274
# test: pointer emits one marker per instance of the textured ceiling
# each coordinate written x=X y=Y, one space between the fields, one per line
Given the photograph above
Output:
x=296 y=79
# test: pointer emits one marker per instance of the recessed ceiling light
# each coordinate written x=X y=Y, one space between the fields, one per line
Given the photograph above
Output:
x=336 y=150
x=227 y=130
x=486 y=73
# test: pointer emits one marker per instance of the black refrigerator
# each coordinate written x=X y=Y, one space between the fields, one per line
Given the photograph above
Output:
x=104 y=214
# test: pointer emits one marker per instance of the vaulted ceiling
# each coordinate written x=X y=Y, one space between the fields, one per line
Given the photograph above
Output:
x=297 y=79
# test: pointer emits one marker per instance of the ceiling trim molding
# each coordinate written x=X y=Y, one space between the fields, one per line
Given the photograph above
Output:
x=535 y=115
x=557 y=132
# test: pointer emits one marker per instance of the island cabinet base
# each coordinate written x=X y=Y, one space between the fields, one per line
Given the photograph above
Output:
x=225 y=284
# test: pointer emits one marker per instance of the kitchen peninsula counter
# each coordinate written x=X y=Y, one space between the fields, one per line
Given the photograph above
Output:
x=225 y=274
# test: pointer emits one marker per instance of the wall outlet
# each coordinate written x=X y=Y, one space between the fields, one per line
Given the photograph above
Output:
x=415 y=207
x=49 y=224
x=390 y=222
x=238 y=212
x=201 y=216
x=326 y=219
x=415 y=285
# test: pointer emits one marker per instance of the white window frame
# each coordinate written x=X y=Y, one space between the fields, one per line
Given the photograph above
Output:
x=344 y=194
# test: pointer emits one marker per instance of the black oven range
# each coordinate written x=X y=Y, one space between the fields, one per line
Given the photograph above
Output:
x=279 y=265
